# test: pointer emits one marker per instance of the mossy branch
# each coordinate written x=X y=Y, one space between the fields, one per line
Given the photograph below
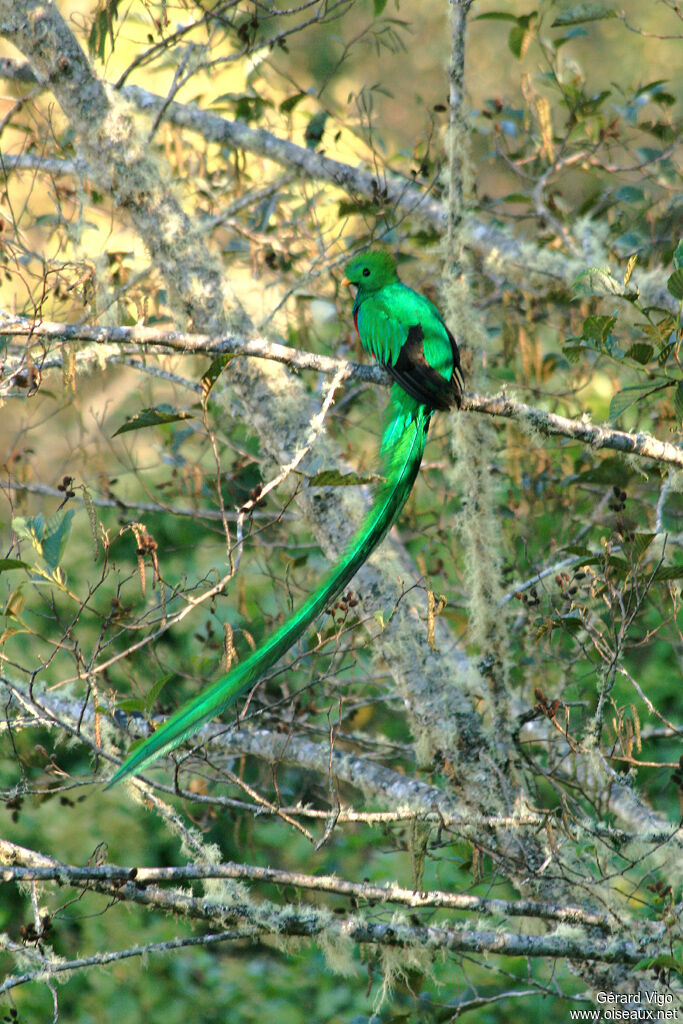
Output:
x=257 y=920
x=24 y=865
x=503 y=254
x=548 y=423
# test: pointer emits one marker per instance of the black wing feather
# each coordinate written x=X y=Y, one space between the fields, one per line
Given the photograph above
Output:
x=420 y=380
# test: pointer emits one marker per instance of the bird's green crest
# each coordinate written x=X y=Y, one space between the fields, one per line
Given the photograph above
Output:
x=372 y=270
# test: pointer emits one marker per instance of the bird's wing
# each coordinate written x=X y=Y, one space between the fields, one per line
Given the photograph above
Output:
x=381 y=334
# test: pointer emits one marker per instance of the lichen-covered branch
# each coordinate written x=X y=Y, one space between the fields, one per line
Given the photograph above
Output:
x=502 y=253
x=404 y=798
x=12 y=855
x=551 y=424
x=265 y=918
x=117 y=156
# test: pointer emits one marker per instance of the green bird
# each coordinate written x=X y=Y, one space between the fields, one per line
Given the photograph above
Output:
x=405 y=333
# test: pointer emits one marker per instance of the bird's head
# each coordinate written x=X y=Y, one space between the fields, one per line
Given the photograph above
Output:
x=371 y=270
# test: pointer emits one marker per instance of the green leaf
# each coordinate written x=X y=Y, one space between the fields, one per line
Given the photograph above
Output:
x=630 y=194
x=250 y=107
x=621 y=567
x=663 y=99
x=597 y=281
x=333 y=478
x=678 y=401
x=593 y=560
x=349 y=207
x=516 y=40
x=607 y=471
x=641 y=352
x=651 y=86
x=37 y=524
x=598 y=328
x=665 y=353
x=102 y=26
x=654 y=333
x=648 y=153
x=665 y=960
x=577 y=549
x=152 y=418
x=571 y=622
x=151 y=698
x=57 y=530
x=627 y=397
x=7 y=564
x=131 y=704
x=379 y=6
x=641 y=542
x=581 y=13
x=315 y=129
x=30 y=529
x=289 y=104
x=572 y=349
x=496 y=16
x=573 y=33
x=98 y=35
x=213 y=373
x=675 y=284
x=668 y=572
x=677 y=258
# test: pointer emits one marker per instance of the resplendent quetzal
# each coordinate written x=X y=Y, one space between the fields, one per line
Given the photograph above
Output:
x=405 y=333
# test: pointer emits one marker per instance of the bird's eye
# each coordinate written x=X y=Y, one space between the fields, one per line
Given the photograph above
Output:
x=366 y=272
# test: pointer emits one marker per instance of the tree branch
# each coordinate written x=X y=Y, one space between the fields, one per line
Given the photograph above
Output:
x=502 y=254
x=404 y=797
x=597 y=437
x=266 y=918
x=12 y=855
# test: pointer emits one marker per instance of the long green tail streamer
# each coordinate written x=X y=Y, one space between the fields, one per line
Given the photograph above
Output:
x=403 y=444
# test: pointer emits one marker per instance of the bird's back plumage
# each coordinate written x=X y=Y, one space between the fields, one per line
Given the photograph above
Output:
x=405 y=333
